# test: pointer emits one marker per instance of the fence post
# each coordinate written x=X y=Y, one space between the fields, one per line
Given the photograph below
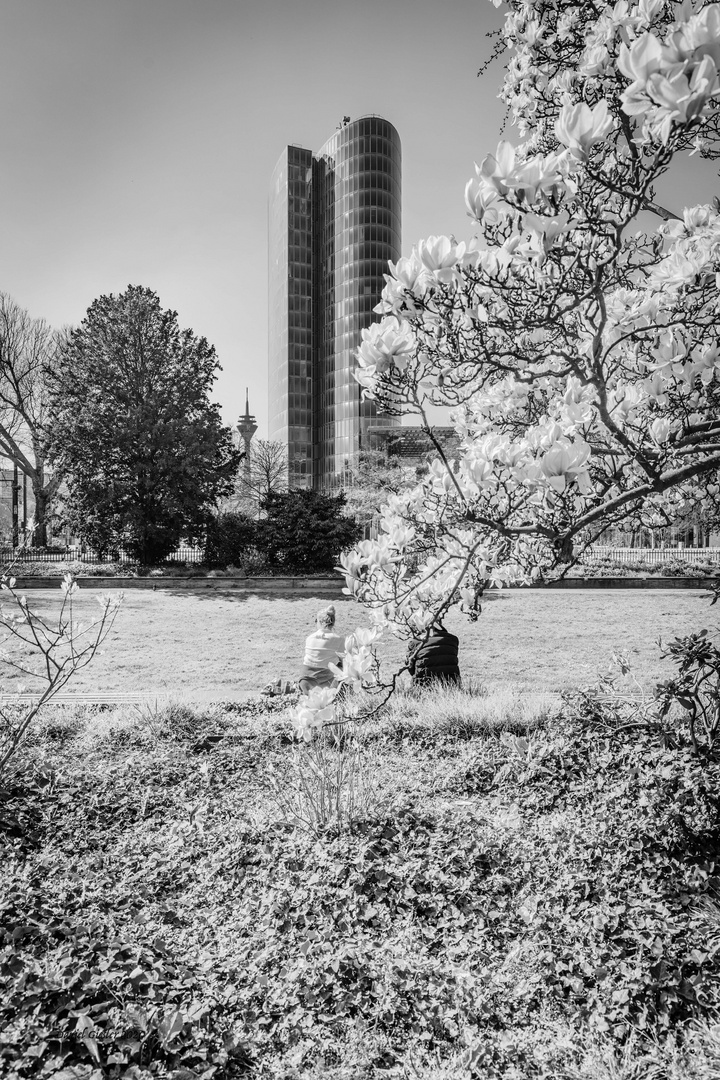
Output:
x=15 y=514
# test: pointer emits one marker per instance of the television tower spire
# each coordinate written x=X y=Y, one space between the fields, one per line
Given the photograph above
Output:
x=247 y=427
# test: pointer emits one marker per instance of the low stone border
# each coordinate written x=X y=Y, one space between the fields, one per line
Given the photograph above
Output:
x=312 y=586
x=330 y=588
x=649 y=582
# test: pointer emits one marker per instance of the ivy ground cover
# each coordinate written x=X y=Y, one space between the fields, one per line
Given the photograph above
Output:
x=223 y=641
x=519 y=895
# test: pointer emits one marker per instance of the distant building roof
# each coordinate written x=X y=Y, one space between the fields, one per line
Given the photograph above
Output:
x=411 y=441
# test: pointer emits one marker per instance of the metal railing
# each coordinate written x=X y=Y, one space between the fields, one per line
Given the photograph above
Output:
x=651 y=555
x=87 y=555
x=196 y=554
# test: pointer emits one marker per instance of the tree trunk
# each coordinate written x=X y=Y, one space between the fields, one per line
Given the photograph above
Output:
x=42 y=499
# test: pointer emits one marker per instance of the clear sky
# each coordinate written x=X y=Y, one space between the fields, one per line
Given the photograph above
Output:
x=139 y=136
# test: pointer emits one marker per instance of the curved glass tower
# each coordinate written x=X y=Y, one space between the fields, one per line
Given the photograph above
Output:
x=334 y=224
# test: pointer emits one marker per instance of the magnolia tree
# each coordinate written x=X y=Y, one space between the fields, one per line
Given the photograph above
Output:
x=575 y=337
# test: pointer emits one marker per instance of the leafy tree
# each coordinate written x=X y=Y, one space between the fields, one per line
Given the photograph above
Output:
x=229 y=535
x=142 y=449
x=305 y=530
x=27 y=350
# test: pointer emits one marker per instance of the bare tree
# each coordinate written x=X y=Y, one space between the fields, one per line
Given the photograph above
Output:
x=265 y=470
x=27 y=348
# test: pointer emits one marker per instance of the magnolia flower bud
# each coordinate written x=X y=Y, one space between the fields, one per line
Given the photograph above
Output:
x=660 y=430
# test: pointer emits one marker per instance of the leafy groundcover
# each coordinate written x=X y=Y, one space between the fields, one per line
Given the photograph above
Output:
x=513 y=902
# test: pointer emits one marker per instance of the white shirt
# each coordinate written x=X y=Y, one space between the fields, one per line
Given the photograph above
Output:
x=323 y=648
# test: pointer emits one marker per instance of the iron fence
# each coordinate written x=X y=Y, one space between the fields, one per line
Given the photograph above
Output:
x=196 y=554
x=86 y=555
x=651 y=555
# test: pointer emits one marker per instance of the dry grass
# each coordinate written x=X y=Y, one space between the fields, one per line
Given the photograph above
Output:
x=474 y=710
x=530 y=640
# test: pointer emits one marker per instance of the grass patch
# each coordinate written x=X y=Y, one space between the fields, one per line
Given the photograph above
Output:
x=509 y=892
x=467 y=712
x=223 y=642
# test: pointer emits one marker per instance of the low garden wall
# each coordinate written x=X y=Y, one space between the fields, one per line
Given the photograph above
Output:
x=327 y=586
x=332 y=588
x=652 y=581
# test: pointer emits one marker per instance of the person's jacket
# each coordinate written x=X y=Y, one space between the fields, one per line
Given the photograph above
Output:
x=436 y=658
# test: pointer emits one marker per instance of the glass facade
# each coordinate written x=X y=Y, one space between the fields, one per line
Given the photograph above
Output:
x=290 y=302
x=334 y=224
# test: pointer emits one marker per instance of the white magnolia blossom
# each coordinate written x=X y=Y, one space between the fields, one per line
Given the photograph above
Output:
x=384 y=345
x=579 y=127
x=695 y=252
x=508 y=176
x=440 y=256
x=408 y=279
x=316 y=709
x=672 y=80
x=660 y=430
x=357 y=666
x=565 y=462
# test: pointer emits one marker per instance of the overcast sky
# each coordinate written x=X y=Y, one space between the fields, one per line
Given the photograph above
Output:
x=139 y=137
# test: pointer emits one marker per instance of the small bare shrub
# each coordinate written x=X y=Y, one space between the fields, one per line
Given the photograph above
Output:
x=175 y=719
x=57 y=651
x=325 y=783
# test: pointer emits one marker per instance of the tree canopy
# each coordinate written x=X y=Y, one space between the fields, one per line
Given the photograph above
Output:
x=304 y=530
x=142 y=449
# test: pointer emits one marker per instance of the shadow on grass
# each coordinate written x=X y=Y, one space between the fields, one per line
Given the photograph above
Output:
x=241 y=594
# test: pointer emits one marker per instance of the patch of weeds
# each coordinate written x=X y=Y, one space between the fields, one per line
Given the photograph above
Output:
x=178 y=720
x=324 y=784
x=59 y=726
x=461 y=714
x=258 y=706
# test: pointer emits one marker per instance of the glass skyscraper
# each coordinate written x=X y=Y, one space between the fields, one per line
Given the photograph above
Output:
x=334 y=223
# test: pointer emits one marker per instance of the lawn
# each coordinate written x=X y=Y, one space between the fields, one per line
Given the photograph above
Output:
x=517 y=895
x=211 y=640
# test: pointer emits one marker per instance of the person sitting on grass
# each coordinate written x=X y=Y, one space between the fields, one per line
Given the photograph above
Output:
x=435 y=659
x=322 y=648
